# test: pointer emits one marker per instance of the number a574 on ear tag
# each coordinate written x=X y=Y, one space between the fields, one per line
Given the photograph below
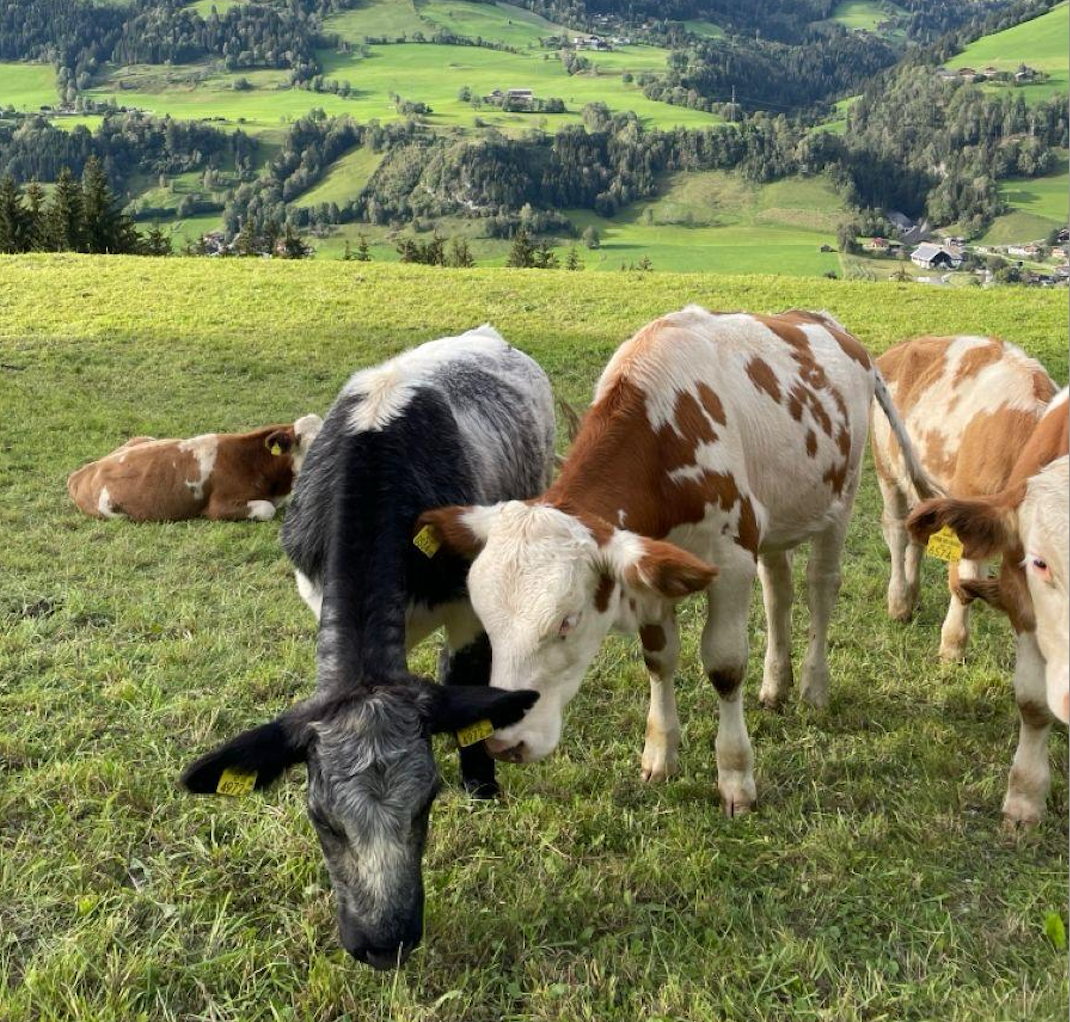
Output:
x=944 y=545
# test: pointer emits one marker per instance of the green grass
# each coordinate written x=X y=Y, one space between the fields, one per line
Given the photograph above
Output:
x=346 y=178
x=502 y=23
x=704 y=29
x=204 y=7
x=1038 y=204
x=873 y=883
x=859 y=14
x=427 y=73
x=27 y=86
x=1041 y=43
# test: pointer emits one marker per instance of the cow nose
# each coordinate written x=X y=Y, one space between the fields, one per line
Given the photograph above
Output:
x=514 y=753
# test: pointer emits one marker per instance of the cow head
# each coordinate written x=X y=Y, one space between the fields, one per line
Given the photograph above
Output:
x=547 y=586
x=1027 y=526
x=371 y=781
x=306 y=429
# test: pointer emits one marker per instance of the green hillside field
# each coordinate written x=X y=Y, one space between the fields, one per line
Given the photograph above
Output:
x=27 y=86
x=1038 y=204
x=873 y=882
x=1040 y=43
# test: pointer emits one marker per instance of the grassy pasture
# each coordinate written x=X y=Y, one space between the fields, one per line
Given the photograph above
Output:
x=428 y=73
x=1037 y=205
x=873 y=883
x=27 y=86
x=346 y=178
x=1040 y=43
x=859 y=14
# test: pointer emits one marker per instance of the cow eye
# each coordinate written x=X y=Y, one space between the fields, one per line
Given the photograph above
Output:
x=568 y=622
x=1040 y=566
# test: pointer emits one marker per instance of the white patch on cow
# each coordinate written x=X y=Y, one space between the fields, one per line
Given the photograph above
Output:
x=260 y=510
x=1043 y=532
x=204 y=448
x=1059 y=399
x=622 y=517
x=306 y=429
x=104 y=505
x=386 y=389
x=311 y=593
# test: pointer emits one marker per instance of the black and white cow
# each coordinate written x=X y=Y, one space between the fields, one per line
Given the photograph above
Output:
x=459 y=420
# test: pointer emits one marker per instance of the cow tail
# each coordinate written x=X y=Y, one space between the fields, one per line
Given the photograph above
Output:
x=926 y=486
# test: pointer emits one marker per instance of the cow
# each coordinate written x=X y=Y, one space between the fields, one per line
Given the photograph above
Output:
x=465 y=418
x=715 y=445
x=221 y=476
x=969 y=405
x=1026 y=524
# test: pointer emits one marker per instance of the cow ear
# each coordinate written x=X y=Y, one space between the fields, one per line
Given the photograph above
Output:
x=988 y=590
x=984 y=526
x=280 y=441
x=458 y=706
x=653 y=565
x=461 y=530
x=261 y=753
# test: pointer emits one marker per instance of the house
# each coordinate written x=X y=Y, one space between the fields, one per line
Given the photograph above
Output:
x=990 y=71
x=592 y=42
x=1061 y=253
x=1025 y=74
x=967 y=72
x=877 y=245
x=1062 y=272
x=935 y=256
x=519 y=97
x=945 y=73
x=1030 y=251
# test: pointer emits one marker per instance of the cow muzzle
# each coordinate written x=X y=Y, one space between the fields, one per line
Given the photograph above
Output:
x=507 y=752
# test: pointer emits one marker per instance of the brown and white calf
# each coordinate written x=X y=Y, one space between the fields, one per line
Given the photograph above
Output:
x=969 y=405
x=233 y=476
x=1026 y=524
x=713 y=440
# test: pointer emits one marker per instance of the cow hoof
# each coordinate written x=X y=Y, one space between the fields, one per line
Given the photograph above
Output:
x=952 y=653
x=770 y=700
x=482 y=789
x=900 y=613
x=1020 y=815
x=736 y=807
x=657 y=767
x=738 y=796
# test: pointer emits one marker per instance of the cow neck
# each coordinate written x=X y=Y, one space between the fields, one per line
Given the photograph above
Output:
x=362 y=623
x=615 y=471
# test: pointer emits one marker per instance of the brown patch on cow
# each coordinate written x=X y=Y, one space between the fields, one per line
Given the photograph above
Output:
x=805 y=397
x=712 y=403
x=912 y=367
x=726 y=681
x=604 y=593
x=836 y=475
x=1050 y=440
x=652 y=637
x=670 y=570
x=849 y=344
x=748 y=535
x=1035 y=716
x=795 y=406
x=692 y=423
x=811 y=443
x=976 y=359
x=1043 y=387
x=991 y=447
x=449 y=528
x=843 y=441
x=632 y=605
x=653 y=665
x=763 y=377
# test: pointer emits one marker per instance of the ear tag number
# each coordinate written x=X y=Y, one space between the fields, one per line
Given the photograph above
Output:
x=236 y=782
x=426 y=541
x=474 y=733
x=944 y=545
x=276 y=449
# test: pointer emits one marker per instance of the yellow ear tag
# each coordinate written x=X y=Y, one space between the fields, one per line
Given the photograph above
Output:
x=426 y=541
x=474 y=733
x=236 y=782
x=276 y=450
x=944 y=545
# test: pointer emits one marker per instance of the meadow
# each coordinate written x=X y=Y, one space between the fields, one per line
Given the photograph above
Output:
x=27 y=86
x=874 y=882
x=1039 y=43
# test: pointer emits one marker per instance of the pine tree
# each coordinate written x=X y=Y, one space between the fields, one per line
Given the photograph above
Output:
x=156 y=243
x=270 y=239
x=105 y=228
x=293 y=246
x=36 y=225
x=543 y=258
x=347 y=252
x=363 y=252
x=573 y=262
x=521 y=255
x=65 y=224
x=460 y=254
x=247 y=243
x=13 y=219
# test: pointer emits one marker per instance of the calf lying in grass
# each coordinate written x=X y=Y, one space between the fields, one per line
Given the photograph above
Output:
x=464 y=418
x=223 y=476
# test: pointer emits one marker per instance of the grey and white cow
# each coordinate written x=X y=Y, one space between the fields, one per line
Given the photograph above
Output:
x=465 y=419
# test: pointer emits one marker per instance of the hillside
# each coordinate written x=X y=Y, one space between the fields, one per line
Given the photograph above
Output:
x=867 y=885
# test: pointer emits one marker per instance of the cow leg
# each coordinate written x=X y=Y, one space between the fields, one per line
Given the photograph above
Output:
x=466 y=661
x=240 y=510
x=724 y=657
x=774 y=569
x=1030 y=776
x=904 y=585
x=661 y=653
x=822 y=588
x=311 y=593
x=956 y=628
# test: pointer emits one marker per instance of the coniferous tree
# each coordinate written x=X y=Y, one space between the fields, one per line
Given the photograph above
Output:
x=104 y=227
x=293 y=246
x=363 y=254
x=65 y=224
x=573 y=262
x=543 y=257
x=270 y=238
x=247 y=243
x=460 y=255
x=13 y=219
x=36 y=226
x=521 y=255
x=156 y=243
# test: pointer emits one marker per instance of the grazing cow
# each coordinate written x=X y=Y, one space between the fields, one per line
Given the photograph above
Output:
x=459 y=419
x=1026 y=523
x=969 y=404
x=222 y=476
x=713 y=439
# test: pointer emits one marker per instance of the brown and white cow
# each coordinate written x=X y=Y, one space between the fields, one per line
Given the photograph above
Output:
x=969 y=405
x=713 y=439
x=232 y=476
x=1027 y=524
